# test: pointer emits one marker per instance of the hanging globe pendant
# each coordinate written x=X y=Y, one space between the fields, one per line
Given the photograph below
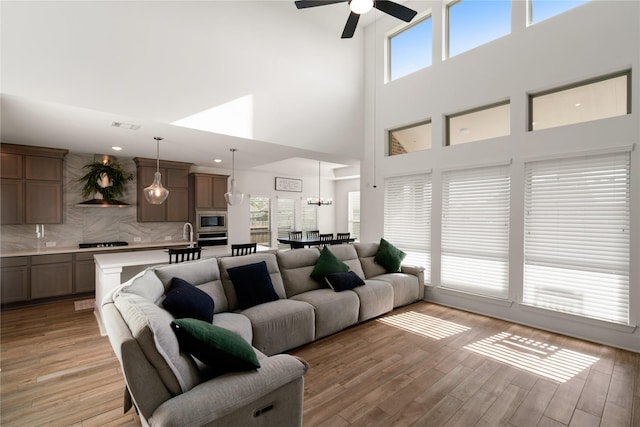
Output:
x=156 y=194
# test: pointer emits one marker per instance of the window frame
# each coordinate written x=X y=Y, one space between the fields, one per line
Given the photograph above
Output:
x=448 y=117
x=532 y=95
x=446 y=24
x=417 y=20
x=409 y=126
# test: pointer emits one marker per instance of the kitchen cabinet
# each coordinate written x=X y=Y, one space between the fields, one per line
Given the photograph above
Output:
x=207 y=192
x=175 y=177
x=51 y=275
x=84 y=272
x=31 y=184
x=14 y=279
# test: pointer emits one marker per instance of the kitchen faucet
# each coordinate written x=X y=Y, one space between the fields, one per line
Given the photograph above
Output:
x=184 y=233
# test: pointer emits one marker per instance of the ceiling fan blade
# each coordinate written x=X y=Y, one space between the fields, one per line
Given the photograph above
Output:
x=302 y=4
x=396 y=10
x=350 y=27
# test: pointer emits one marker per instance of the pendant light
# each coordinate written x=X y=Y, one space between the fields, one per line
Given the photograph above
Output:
x=319 y=201
x=156 y=193
x=233 y=196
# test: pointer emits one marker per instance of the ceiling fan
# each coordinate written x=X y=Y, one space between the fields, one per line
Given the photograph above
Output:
x=359 y=7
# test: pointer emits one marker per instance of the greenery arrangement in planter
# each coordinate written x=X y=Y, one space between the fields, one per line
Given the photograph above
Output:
x=107 y=179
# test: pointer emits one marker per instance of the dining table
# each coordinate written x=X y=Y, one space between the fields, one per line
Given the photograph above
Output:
x=314 y=241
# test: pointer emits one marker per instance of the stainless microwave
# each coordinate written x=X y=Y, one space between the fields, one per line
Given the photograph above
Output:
x=207 y=221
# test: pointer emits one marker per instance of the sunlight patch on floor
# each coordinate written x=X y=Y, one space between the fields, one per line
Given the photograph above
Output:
x=550 y=361
x=85 y=304
x=424 y=325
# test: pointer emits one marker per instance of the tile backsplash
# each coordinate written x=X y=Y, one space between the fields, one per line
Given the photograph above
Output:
x=89 y=224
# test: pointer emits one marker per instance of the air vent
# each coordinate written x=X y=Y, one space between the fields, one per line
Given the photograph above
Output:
x=125 y=125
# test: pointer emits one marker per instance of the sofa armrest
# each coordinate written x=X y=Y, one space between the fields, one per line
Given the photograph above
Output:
x=414 y=270
x=221 y=396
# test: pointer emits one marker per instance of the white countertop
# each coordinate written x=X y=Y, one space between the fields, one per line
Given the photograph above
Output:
x=74 y=249
x=158 y=256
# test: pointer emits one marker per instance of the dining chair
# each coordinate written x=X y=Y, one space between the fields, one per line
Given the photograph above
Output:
x=184 y=254
x=295 y=235
x=326 y=239
x=313 y=234
x=343 y=237
x=238 y=249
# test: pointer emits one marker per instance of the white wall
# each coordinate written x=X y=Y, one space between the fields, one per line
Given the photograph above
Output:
x=282 y=69
x=262 y=184
x=595 y=39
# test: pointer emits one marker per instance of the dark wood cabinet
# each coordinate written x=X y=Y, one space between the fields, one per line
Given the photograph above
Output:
x=207 y=192
x=84 y=272
x=175 y=177
x=51 y=275
x=31 y=184
x=14 y=279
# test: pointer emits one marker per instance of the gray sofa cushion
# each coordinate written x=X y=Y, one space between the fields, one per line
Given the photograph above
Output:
x=296 y=267
x=334 y=310
x=235 y=322
x=281 y=325
x=145 y=284
x=150 y=325
x=367 y=252
x=376 y=298
x=406 y=287
x=348 y=255
x=203 y=273
x=229 y=262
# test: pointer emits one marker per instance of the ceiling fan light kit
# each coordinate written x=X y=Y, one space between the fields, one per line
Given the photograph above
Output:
x=359 y=7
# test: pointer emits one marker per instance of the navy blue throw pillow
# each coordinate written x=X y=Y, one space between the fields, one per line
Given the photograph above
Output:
x=253 y=285
x=343 y=281
x=185 y=300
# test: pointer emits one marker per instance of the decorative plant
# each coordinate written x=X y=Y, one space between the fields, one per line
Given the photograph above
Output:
x=106 y=178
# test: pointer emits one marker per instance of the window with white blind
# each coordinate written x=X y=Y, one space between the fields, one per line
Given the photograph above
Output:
x=475 y=231
x=577 y=236
x=354 y=214
x=309 y=216
x=286 y=215
x=407 y=218
x=260 y=220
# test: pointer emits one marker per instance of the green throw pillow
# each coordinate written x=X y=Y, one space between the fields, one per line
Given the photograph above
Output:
x=218 y=348
x=389 y=256
x=328 y=263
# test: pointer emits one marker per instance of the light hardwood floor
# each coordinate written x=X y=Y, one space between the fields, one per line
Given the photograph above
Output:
x=421 y=365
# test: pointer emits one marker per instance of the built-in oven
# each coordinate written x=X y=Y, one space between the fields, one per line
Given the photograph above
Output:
x=211 y=221
x=212 y=239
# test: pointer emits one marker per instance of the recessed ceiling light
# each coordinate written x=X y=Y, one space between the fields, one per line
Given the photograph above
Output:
x=116 y=148
x=217 y=160
x=125 y=125
x=577 y=104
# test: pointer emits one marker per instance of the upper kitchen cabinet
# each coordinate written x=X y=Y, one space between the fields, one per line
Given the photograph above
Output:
x=175 y=177
x=207 y=191
x=31 y=179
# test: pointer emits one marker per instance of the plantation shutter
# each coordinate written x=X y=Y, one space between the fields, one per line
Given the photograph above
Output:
x=407 y=218
x=577 y=236
x=286 y=219
x=475 y=231
x=309 y=216
x=354 y=214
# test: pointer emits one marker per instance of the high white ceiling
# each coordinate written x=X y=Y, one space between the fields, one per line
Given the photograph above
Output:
x=274 y=82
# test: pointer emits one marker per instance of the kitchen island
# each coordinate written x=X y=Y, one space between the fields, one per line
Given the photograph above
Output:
x=113 y=269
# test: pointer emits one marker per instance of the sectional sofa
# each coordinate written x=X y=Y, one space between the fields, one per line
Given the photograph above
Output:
x=228 y=367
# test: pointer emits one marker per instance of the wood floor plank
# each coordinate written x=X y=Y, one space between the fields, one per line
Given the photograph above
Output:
x=56 y=370
x=534 y=404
